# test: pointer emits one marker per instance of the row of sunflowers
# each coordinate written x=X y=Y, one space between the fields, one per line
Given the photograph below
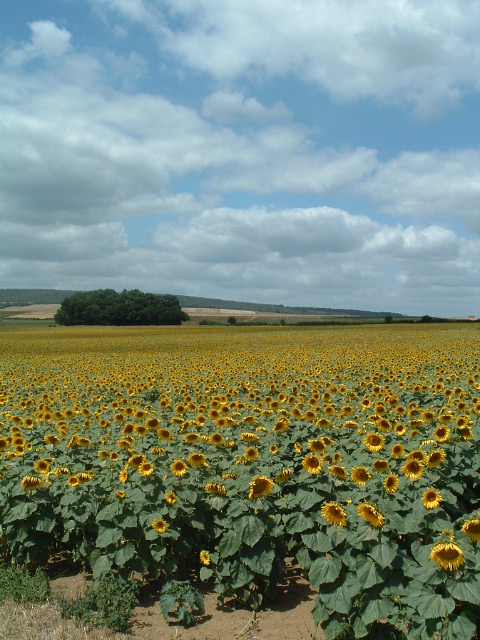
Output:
x=354 y=451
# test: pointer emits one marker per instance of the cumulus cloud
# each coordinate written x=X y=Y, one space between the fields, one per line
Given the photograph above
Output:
x=425 y=54
x=47 y=41
x=229 y=106
x=430 y=183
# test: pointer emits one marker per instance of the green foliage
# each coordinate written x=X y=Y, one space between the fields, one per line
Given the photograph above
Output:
x=110 y=603
x=18 y=585
x=107 y=307
x=181 y=599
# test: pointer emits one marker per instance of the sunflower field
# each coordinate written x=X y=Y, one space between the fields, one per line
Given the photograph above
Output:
x=354 y=451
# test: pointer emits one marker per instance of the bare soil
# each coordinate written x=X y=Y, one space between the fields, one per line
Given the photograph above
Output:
x=290 y=618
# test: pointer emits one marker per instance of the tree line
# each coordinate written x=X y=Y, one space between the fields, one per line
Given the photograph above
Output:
x=128 y=308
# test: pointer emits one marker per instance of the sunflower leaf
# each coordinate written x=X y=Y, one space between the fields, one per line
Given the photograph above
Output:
x=324 y=570
x=465 y=591
x=384 y=553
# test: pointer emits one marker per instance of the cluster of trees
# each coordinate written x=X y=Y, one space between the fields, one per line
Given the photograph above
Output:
x=107 y=307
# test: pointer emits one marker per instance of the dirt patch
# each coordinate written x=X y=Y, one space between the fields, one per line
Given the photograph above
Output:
x=289 y=618
x=33 y=311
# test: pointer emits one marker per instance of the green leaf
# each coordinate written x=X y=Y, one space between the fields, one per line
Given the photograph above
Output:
x=108 y=513
x=259 y=560
x=465 y=591
x=318 y=542
x=109 y=536
x=324 y=570
x=303 y=558
x=167 y=604
x=384 y=553
x=305 y=500
x=433 y=605
x=380 y=609
x=320 y=613
x=205 y=573
x=124 y=554
x=229 y=543
x=45 y=524
x=239 y=575
x=334 y=628
x=102 y=566
x=20 y=512
x=421 y=553
x=359 y=628
x=250 y=529
x=463 y=626
x=367 y=572
x=336 y=597
x=299 y=523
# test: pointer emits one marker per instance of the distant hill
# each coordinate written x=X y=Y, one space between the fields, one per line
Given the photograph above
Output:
x=23 y=297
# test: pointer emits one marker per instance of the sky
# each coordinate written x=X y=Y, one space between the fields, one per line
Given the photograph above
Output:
x=317 y=153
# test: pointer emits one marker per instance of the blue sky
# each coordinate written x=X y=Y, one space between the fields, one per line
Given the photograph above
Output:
x=305 y=152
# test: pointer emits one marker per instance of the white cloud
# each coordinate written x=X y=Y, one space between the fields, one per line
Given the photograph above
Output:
x=229 y=106
x=47 y=41
x=428 y=184
x=426 y=53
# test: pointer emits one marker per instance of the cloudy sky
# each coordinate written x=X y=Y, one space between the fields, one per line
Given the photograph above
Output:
x=304 y=152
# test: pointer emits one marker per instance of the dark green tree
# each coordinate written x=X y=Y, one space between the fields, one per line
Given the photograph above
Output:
x=131 y=308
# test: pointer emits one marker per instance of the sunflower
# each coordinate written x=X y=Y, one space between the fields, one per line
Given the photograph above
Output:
x=120 y=494
x=312 y=464
x=41 y=466
x=397 y=451
x=197 y=460
x=418 y=455
x=360 y=475
x=323 y=423
x=435 y=458
x=334 y=514
x=215 y=488
x=284 y=475
x=431 y=498
x=136 y=460
x=373 y=442
x=205 y=558
x=170 y=498
x=370 y=514
x=159 y=525
x=413 y=469
x=51 y=438
x=250 y=454
x=400 y=429
x=73 y=481
x=179 y=468
x=31 y=483
x=381 y=466
x=447 y=555
x=145 y=469
x=441 y=434
x=273 y=449
x=216 y=439
x=4 y=444
x=114 y=457
x=164 y=434
x=102 y=454
x=123 y=475
x=260 y=486
x=338 y=471
x=316 y=445
x=472 y=529
x=391 y=483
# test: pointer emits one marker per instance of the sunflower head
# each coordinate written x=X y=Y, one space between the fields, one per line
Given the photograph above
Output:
x=447 y=555
x=431 y=498
x=312 y=464
x=250 y=454
x=179 y=468
x=260 y=486
x=145 y=469
x=197 y=460
x=360 y=475
x=205 y=558
x=334 y=514
x=391 y=483
x=373 y=442
x=472 y=529
x=159 y=525
x=371 y=515
x=381 y=466
x=413 y=469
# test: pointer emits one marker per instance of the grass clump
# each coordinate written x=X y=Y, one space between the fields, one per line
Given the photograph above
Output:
x=109 y=603
x=17 y=585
